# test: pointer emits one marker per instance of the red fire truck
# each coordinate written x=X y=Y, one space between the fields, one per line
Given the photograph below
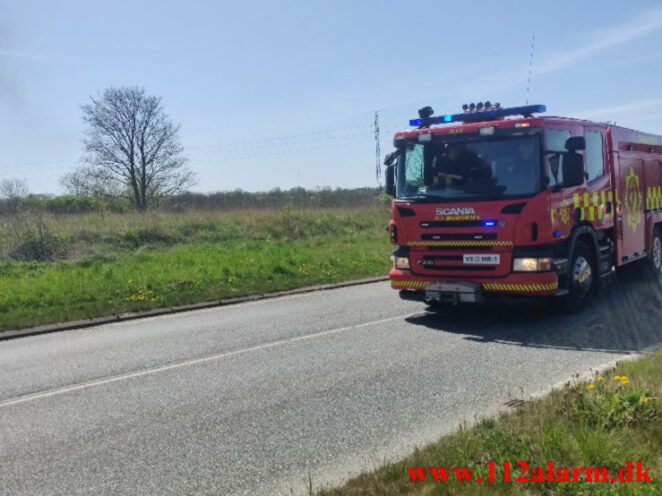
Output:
x=500 y=201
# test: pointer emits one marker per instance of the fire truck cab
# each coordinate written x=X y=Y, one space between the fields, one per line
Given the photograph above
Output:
x=500 y=201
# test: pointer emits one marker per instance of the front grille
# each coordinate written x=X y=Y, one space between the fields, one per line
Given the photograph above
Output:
x=459 y=248
x=466 y=268
x=448 y=258
x=448 y=223
x=458 y=236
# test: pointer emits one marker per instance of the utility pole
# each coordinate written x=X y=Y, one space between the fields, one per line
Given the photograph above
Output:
x=378 y=154
x=528 y=82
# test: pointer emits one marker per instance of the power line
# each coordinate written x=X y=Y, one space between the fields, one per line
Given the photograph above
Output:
x=334 y=136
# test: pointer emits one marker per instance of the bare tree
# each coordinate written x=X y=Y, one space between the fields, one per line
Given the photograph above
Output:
x=92 y=181
x=131 y=140
x=13 y=191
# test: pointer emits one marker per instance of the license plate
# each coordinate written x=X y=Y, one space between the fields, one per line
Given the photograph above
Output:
x=482 y=259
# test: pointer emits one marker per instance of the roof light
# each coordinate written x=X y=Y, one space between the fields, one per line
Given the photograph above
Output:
x=425 y=137
x=486 y=130
x=523 y=124
x=486 y=115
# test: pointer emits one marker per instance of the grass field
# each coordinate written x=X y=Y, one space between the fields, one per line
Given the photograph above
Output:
x=56 y=268
x=605 y=423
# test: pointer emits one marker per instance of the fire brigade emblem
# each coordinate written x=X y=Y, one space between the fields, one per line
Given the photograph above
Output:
x=564 y=213
x=632 y=199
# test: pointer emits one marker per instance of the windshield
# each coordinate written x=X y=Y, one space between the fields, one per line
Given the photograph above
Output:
x=485 y=168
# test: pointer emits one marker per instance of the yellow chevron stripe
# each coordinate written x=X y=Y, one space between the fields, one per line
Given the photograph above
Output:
x=409 y=284
x=520 y=287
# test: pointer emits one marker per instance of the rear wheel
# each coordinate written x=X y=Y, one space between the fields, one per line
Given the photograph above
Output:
x=655 y=256
x=582 y=278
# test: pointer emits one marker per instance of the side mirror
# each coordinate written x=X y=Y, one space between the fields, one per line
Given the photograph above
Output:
x=389 y=187
x=389 y=162
x=575 y=143
x=390 y=158
x=573 y=169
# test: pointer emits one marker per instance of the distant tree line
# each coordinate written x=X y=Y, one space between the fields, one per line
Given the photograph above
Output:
x=134 y=161
x=20 y=201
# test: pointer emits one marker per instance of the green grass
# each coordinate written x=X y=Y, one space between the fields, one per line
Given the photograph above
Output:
x=118 y=263
x=603 y=424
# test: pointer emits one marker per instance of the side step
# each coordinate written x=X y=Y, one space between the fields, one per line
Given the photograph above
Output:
x=606 y=267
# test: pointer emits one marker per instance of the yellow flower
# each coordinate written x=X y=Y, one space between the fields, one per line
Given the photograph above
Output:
x=590 y=386
x=129 y=281
x=600 y=378
x=624 y=378
x=645 y=400
x=617 y=377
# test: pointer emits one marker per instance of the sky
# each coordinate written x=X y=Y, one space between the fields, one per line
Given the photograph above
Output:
x=283 y=94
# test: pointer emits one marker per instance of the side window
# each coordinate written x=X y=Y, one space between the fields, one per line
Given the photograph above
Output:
x=594 y=155
x=555 y=142
x=409 y=173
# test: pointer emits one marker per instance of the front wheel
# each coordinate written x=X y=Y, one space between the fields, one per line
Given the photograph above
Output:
x=582 y=278
x=655 y=257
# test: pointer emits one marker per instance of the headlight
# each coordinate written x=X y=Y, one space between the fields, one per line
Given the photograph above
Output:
x=532 y=264
x=401 y=263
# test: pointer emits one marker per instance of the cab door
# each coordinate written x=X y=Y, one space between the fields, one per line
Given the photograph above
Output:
x=562 y=209
x=630 y=225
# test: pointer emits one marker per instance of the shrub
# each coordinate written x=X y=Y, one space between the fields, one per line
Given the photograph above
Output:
x=32 y=240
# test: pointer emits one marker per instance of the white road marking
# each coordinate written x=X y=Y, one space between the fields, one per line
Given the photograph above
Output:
x=196 y=361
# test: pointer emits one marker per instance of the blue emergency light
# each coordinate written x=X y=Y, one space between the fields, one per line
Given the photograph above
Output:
x=480 y=116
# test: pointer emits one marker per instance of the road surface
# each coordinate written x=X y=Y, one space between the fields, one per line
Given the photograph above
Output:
x=263 y=397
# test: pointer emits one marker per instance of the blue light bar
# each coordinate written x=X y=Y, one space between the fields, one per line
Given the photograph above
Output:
x=489 y=223
x=487 y=115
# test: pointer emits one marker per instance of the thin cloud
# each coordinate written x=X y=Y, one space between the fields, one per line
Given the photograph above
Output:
x=646 y=23
x=620 y=109
x=22 y=55
x=633 y=61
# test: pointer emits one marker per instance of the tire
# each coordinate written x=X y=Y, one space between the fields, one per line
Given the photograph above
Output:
x=655 y=256
x=582 y=278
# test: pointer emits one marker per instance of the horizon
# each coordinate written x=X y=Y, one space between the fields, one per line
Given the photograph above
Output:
x=290 y=101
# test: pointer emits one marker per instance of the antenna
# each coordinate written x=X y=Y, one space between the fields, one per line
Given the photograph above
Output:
x=378 y=154
x=528 y=83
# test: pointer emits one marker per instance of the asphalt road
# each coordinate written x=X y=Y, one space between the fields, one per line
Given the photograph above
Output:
x=260 y=398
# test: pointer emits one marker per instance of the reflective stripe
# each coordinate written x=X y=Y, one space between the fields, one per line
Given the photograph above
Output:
x=654 y=198
x=460 y=243
x=490 y=286
x=409 y=284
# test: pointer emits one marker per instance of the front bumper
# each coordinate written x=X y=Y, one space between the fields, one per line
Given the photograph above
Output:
x=517 y=283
